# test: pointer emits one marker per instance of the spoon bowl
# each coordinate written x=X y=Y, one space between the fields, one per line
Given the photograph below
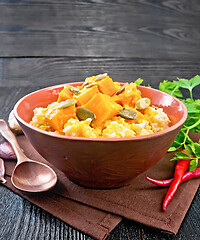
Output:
x=41 y=178
x=28 y=175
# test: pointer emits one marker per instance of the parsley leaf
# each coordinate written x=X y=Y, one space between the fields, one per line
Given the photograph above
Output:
x=139 y=81
x=192 y=123
x=180 y=156
x=188 y=84
x=170 y=88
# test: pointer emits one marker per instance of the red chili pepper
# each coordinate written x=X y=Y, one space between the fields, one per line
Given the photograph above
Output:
x=186 y=177
x=161 y=183
x=180 y=169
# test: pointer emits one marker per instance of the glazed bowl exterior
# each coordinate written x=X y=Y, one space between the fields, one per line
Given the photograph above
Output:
x=100 y=162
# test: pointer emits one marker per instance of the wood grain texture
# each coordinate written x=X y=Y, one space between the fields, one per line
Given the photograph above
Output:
x=21 y=220
x=43 y=72
x=114 y=28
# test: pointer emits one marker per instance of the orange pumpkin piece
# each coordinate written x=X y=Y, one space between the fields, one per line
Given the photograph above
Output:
x=57 y=118
x=129 y=96
x=122 y=99
x=107 y=86
x=65 y=94
x=86 y=95
x=132 y=91
x=103 y=107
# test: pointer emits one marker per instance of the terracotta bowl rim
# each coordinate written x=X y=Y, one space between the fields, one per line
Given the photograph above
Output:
x=137 y=138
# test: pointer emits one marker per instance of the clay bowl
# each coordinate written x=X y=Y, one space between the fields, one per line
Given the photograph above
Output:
x=101 y=163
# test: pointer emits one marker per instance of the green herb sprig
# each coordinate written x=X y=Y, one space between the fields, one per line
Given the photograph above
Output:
x=192 y=123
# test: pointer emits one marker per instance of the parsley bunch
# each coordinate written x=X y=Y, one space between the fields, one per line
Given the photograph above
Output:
x=192 y=123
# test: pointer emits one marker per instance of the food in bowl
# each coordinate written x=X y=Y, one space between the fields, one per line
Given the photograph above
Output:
x=101 y=108
x=100 y=162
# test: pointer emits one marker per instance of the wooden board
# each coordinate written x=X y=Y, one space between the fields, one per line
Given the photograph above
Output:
x=43 y=72
x=145 y=28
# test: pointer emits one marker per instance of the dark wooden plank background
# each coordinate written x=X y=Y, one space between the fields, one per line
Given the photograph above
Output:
x=48 y=71
x=43 y=43
x=96 y=28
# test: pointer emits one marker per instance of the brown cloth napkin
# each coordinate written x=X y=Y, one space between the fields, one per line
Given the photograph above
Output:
x=141 y=201
x=89 y=220
x=94 y=222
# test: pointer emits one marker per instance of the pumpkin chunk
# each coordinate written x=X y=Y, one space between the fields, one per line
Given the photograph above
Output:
x=65 y=94
x=107 y=86
x=57 y=117
x=129 y=96
x=103 y=107
x=86 y=95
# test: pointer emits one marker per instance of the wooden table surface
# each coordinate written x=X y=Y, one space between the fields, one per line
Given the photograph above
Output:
x=48 y=42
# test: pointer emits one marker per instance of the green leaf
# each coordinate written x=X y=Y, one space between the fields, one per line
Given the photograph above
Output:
x=196 y=148
x=180 y=156
x=174 y=159
x=192 y=123
x=171 y=149
x=179 y=139
x=188 y=84
x=193 y=164
x=184 y=83
x=170 y=88
x=192 y=106
x=188 y=149
x=195 y=81
x=139 y=81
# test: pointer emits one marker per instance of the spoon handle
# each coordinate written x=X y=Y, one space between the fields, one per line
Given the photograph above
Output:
x=10 y=137
x=2 y=171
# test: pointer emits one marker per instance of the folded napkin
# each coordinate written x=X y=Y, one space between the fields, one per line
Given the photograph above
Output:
x=141 y=201
x=89 y=220
x=94 y=222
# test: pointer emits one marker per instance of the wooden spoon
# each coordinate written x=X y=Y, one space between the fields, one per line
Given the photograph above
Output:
x=28 y=175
